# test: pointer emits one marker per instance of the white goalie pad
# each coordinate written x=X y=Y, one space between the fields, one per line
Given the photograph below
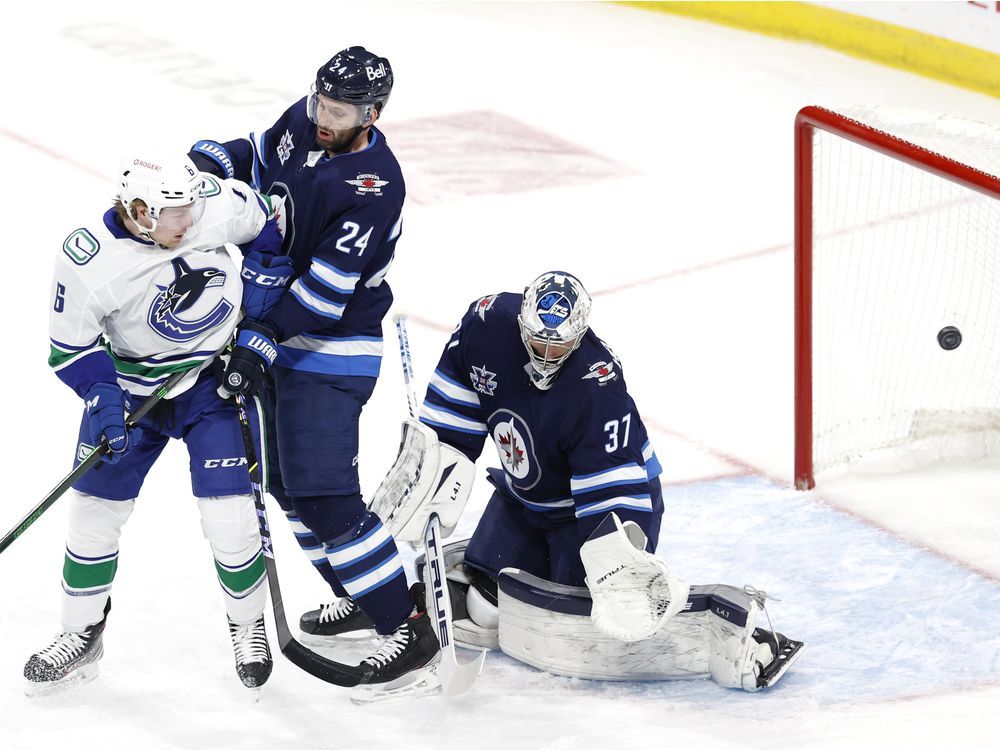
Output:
x=427 y=477
x=548 y=625
x=633 y=592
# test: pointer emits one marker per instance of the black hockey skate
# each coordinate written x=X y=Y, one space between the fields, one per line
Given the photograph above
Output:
x=780 y=650
x=403 y=664
x=340 y=618
x=253 y=654
x=70 y=659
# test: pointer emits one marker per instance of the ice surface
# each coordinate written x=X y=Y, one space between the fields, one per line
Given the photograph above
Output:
x=669 y=147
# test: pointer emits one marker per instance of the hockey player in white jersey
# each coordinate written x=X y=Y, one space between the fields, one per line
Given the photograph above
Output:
x=148 y=290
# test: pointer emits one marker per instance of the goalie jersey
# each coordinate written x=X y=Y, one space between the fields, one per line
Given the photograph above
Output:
x=577 y=450
x=341 y=218
x=126 y=310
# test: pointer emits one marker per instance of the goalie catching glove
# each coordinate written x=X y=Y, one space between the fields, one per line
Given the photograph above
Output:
x=632 y=590
x=427 y=477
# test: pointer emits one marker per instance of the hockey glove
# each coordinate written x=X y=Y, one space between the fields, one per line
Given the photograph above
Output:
x=254 y=352
x=265 y=278
x=107 y=405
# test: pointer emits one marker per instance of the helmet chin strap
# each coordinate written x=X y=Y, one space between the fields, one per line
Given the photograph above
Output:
x=142 y=231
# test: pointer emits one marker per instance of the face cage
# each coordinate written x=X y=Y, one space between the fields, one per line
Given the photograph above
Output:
x=545 y=366
x=335 y=114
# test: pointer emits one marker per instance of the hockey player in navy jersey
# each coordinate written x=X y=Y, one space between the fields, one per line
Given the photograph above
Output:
x=145 y=291
x=576 y=507
x=342 y=193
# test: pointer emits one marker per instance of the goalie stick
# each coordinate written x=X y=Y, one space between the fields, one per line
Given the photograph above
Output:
x=456 y=677
x=90 y=461
x=334 y=672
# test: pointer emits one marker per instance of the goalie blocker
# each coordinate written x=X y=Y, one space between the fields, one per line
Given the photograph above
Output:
x=427 y=477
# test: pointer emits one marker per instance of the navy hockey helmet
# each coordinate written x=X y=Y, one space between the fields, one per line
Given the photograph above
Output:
x=357 y=78
x=553 y=320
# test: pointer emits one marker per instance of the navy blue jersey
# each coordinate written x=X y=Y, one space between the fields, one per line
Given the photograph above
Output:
x=341 y=220
x=578 y=449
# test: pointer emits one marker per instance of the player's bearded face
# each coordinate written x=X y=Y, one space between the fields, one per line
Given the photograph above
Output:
x=336 y=140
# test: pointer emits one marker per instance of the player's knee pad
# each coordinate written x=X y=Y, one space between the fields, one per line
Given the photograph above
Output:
x=229 y=523
x=95 y=524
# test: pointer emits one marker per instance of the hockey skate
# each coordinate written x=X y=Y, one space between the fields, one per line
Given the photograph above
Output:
x=253 y=654
x=339 y=619
x=404 y=664
x=775 y=654
x=69 y=660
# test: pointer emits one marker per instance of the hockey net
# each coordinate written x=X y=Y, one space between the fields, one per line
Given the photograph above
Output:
x=897 y=238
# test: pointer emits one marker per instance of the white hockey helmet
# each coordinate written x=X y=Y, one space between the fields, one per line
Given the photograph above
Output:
x=171 y=188
x=553 y=321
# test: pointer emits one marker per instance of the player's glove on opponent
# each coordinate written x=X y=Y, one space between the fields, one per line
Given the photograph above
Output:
x=265 y=279
x=107 y=405
x=252 y=356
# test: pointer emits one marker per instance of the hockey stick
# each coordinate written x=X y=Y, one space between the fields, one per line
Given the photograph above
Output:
x=334 y=672
x=456 y=677
x=90 y=461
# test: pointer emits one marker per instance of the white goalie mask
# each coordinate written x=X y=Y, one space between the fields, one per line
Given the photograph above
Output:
x=553 y=321
x=171 y=189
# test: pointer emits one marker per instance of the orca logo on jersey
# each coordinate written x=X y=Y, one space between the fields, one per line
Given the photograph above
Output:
x=187 y=293
x=516 y=448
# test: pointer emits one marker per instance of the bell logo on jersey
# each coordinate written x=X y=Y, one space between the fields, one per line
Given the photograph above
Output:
x=368 y=184
x=603 y=371
x=189 y=293
x=285 y=147
x=515 y=447
x=483 y=380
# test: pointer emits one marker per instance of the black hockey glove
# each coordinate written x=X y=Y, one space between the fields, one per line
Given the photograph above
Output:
x=253 y=353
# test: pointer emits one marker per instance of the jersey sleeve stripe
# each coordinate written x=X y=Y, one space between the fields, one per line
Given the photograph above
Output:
x=653 y=467
x=74 y=347
x=630 y=502
x=455 y=391
x=315 y=304
x=441 y=417
x=333 y=277
x=626 y=474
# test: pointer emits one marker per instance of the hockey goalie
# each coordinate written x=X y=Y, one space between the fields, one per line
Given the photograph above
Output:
x=560 y=572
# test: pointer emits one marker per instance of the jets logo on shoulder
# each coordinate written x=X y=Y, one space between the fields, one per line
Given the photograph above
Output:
x=285 y=147
x=603 y=371
x=368 y=184
x=484 y=304
x=483 y=380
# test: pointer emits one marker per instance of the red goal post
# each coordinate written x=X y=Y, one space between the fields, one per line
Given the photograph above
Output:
x=851 y=241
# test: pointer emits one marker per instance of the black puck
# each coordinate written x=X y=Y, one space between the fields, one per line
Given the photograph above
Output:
x=949 y=338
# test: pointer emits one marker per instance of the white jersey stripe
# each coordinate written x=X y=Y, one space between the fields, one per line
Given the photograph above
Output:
x=315 y=304
x=627 y=474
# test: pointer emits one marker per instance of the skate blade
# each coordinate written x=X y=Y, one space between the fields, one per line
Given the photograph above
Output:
x=416 y=684
x=332 y=641
x=83 y=675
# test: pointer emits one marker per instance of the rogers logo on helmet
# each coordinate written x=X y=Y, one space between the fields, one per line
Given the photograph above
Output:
x=146 y=164
x=375 y=73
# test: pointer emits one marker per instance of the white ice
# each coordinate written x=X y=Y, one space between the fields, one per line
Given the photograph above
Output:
x=649 y=154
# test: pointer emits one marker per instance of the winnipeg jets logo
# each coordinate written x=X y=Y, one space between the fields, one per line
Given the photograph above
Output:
x=368 y=183
x=186 y=294
x=513 y=453
x=603 y=371
x=515 y=446
x=483 y=380
x=483 y=305
x=553 y=309
x=285 y=147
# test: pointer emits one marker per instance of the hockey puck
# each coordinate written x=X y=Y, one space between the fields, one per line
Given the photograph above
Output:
x=949 y=338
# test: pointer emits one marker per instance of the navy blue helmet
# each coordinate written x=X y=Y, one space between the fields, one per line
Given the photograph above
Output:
x=356 y=76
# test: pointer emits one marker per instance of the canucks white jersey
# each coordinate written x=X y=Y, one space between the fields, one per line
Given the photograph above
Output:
x=126 y=310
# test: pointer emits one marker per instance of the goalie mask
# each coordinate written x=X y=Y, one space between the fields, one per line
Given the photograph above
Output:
x=170 y=188
x=553 y=321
